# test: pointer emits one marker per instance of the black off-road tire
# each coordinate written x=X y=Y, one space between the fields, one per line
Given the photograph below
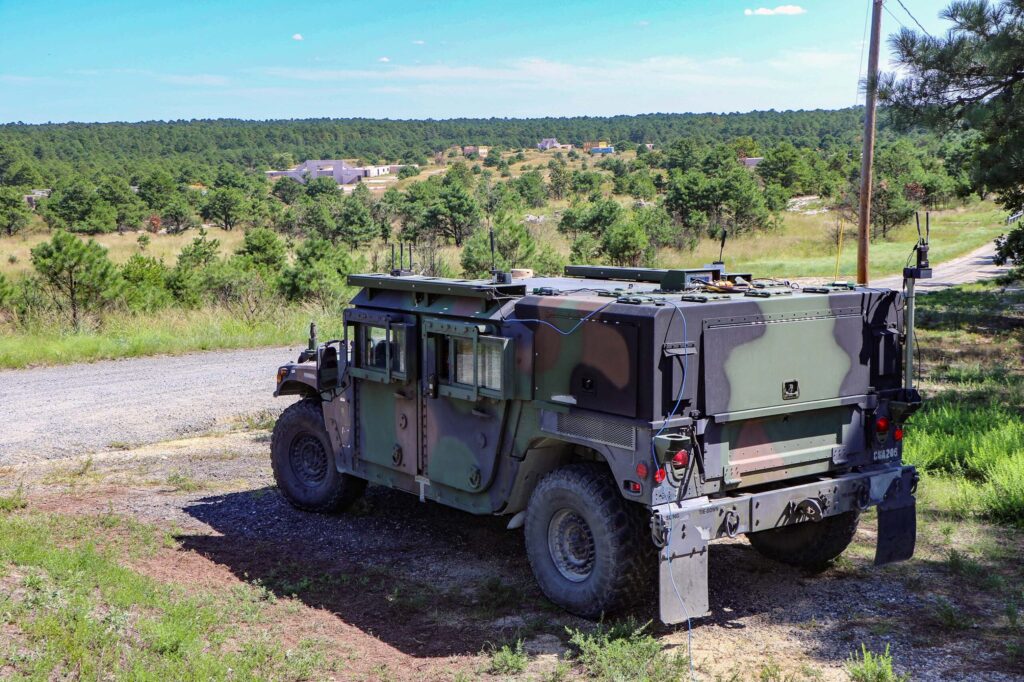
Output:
x=811 y=544
x=620 y=566
x=303 y=463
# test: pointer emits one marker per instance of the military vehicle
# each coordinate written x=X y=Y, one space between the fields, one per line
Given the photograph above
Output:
x=623 y=417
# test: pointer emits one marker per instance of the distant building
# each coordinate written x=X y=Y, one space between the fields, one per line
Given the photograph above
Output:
x=602 y=150
x=35 y=196
x=479 y=150
x=752 y=161
x=650 y=147
x=587 y=146
x=549 y=143
x=342 y=172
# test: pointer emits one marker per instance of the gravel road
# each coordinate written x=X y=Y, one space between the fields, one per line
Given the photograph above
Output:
x=972 y=267
x=56 y=412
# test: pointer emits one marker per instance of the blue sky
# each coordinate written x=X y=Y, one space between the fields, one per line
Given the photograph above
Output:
x=87 y=60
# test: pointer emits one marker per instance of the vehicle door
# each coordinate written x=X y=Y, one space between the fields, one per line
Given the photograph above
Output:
x=384 y=389
x=467 y=386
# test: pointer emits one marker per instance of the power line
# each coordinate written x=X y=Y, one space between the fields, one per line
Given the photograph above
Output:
x=896 y=18
x=863 y=43
x=914 y=18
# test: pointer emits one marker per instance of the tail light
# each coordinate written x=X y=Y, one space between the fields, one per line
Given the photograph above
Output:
x=659 y=475
x=882 y=425
x=898 y=434
x=641 y=470
x=681 y=459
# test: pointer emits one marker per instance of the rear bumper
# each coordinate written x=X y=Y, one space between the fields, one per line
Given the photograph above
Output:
x=683 y=530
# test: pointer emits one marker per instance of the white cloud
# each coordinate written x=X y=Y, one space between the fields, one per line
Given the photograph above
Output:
x=297 y=36
x=385 y=60
x=781 y=9
x=419 y=42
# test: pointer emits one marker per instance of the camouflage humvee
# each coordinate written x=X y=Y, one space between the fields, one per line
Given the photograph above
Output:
x=625 y=418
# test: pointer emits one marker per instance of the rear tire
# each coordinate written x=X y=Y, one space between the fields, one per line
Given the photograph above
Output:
x=589 y=548
x=811 y=544
x=303 y=462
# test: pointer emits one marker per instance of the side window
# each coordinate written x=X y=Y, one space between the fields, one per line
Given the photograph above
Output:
x=473 y=365
x=463 y=353
x=374 y=348
x=380 y=352
x=398 y=360
x=489 y=362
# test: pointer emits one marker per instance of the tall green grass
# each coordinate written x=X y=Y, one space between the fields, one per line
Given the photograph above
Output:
x=171 y=331
x=969 y=436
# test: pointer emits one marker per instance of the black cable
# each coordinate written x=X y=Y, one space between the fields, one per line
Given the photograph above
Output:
x=914 y=18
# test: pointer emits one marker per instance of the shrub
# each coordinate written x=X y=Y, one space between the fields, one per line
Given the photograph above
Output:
x=6 y=292
x=146 y=283
x=263 y=249
x=872 y=667
x=1002 y=496
x=1010 y=247
x=626 y=243
x=513 y=246
x=319 y=274
x=408 y=172
x=624 y=651
x=508 y=660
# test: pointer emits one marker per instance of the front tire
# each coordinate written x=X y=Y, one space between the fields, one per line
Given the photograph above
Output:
x=588 y=547
x=303 y=462
x=811 y=544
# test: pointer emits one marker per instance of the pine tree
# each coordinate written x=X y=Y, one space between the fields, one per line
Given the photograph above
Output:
x=972 y=78
x=79 y=277
x=14 y=214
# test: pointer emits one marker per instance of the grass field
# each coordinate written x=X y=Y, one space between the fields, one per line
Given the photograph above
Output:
x=969 y=437
x=170 y=331
x=120 y=247
x=72 y=607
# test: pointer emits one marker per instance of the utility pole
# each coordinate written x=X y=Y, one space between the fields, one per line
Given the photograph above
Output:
x=868 y=155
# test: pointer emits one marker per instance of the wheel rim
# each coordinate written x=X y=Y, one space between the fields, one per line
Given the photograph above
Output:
x=308 y=459
x=571 y=545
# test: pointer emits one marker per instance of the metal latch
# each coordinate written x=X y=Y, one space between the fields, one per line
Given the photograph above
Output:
x=679 y=348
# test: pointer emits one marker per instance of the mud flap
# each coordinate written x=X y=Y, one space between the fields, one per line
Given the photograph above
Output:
x=682 y=569
x=897 y=520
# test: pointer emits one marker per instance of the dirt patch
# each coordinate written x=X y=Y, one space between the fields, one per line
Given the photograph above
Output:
x=404 y=590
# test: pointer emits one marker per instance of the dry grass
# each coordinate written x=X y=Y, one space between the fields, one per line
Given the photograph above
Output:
x=120 y=246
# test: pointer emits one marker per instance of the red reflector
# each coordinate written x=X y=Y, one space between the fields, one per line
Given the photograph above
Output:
x=641 y=470
x=633 y=486
x=681 y=459
x=898 y=434
x=882 y=424
x=659 y=475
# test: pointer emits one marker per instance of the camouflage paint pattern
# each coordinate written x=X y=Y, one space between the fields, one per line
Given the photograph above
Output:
x=603 y=387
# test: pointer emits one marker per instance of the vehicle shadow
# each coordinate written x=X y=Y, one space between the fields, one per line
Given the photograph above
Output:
x=424 y=578
x=433 y=581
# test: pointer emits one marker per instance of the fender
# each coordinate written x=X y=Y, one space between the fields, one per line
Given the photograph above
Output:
x=296 y=379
